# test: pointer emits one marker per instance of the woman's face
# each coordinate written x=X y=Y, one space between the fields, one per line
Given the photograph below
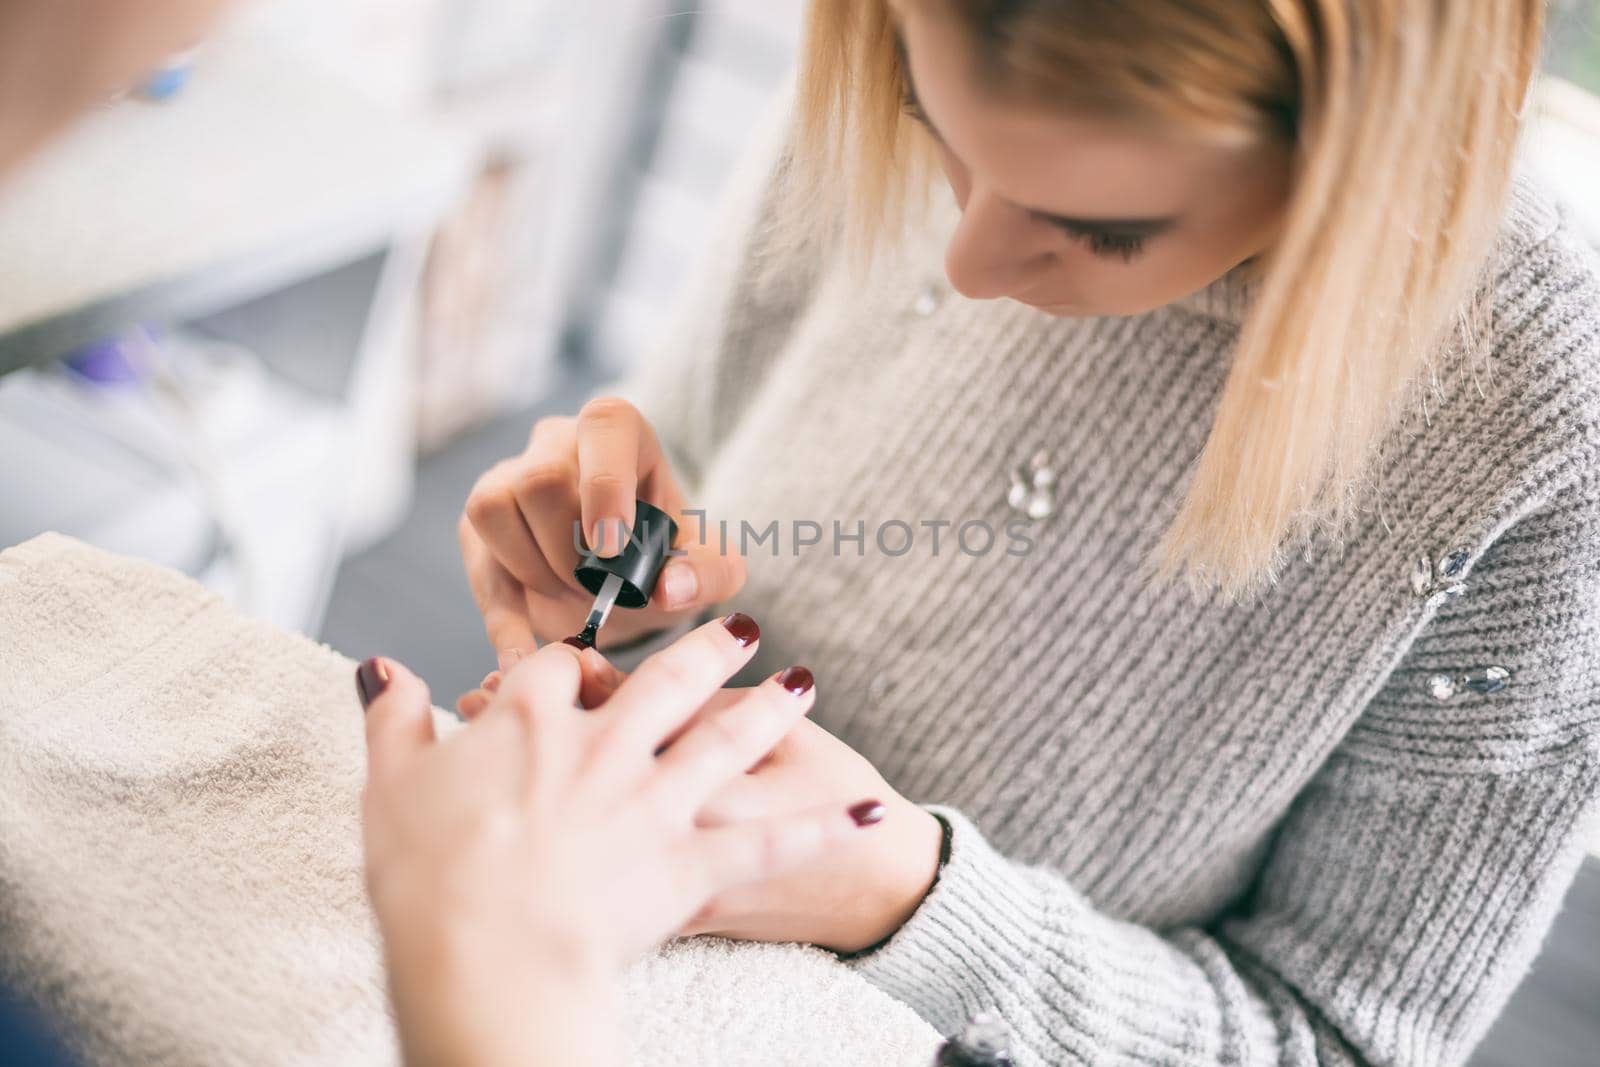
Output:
x=1076 y=215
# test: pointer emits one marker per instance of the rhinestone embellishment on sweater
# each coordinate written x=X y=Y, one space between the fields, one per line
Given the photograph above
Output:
x=1440 y=581
x=1443 y=686
x=927 y=301
x=1032 y=491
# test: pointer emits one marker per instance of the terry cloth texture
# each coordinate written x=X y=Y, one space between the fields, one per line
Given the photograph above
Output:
x=180 y=860
x=1187 y=830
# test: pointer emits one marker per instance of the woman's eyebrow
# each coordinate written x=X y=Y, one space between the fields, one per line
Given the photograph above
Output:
x=1141 y=227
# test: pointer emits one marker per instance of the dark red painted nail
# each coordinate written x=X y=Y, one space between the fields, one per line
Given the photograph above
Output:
x=868 y=812
x=797 y=680
x=577 y=642
x=743 y=628
x=372 y=678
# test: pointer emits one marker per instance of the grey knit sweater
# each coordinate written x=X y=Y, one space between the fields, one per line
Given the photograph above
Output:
x=1328 y=825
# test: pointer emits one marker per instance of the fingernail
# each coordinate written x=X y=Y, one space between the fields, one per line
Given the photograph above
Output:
x=797 y=680
x=509 y=657
x=679 y=585
x=868 y=812
x=597 y=537
x=603 y=667
x=743 y=628
x=372 y=678
x=576 y=642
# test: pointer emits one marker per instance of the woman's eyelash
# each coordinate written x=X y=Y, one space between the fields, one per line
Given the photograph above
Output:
x=912 y=106
x=1123 y=246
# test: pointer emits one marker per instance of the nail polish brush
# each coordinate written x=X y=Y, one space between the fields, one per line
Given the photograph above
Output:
x=629 y=578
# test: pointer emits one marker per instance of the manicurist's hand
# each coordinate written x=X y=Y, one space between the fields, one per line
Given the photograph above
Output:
x=517 y=532
x=847 y=899
x=517 y=865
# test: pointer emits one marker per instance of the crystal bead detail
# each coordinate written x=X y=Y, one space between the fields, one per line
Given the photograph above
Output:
x=1447 y=594
x=1032 y=491
x=1453 y=564
x=1422 y=576
x=1440 y=582
x=927 y=301
x=1485 y=680
x=1488 y=679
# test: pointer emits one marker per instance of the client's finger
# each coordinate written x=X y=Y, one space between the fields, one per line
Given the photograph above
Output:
x=600 y=678
x=732 y=856
x=671 y=685
x=399 y=715
x=471 y=705
x=726 y=742
x=546 y=681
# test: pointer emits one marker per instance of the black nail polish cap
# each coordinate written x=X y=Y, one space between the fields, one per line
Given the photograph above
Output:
x=640 y=561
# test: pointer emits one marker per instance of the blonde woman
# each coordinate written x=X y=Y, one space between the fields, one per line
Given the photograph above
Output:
x=1264 y=725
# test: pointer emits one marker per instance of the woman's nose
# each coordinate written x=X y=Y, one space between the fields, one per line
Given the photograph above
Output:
x=997 y=248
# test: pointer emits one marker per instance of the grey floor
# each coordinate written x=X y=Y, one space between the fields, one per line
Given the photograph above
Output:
x=407 y=598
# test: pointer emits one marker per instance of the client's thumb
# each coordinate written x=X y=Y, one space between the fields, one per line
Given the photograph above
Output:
x=399 y=714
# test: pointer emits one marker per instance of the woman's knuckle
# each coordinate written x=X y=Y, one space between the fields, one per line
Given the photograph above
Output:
x=676 y=673
x=677 y=668
x=727 y=729
x=607 y=482
x=605 y=410
x=488 y=496
x=769 y=848
x=484 y=508
x=542 y=477
x=547 y=433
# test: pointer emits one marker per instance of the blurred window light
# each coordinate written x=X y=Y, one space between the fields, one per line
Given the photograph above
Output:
x=1572 y=47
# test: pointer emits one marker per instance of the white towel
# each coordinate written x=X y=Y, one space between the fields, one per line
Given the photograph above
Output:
x=180 y=863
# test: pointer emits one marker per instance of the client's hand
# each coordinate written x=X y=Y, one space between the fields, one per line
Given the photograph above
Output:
x=847 y=900
x=516 y=866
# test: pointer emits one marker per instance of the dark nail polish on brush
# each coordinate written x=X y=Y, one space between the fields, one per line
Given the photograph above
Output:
x=372 y=678
x=868 y=812
x=743 y=628
x=581 y=641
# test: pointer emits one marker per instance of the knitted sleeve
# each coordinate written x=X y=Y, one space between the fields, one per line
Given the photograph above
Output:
x=1404 y=894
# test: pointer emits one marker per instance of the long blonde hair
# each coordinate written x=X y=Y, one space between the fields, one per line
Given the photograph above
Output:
x=1404 y=116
